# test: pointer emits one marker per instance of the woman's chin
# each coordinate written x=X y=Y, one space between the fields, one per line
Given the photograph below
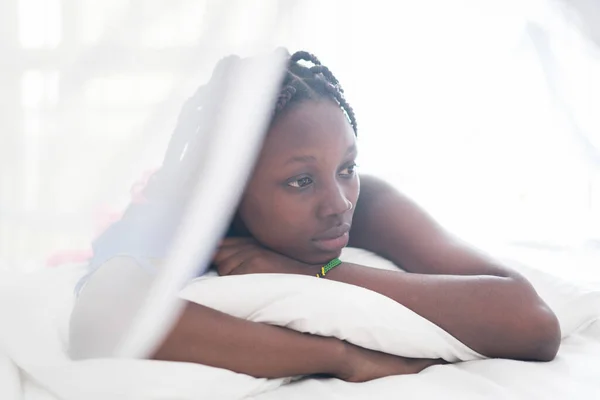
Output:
x=312 y=255
x=322 y=257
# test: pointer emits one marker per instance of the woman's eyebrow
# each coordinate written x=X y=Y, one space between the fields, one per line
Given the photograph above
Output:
x=301 y=159
x=312 y=159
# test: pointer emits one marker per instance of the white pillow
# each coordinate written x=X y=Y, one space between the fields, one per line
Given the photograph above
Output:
x=364 y=317
x=329 y=308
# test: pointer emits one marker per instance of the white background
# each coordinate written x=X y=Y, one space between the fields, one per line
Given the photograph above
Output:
x=451 y=98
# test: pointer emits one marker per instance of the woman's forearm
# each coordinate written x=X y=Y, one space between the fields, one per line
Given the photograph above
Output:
x=206 y=336
x=478 y=300
x=493 y=315
x=202 y=335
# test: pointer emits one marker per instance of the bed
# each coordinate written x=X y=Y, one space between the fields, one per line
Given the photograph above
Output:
x=34 y=363
x=572 y=375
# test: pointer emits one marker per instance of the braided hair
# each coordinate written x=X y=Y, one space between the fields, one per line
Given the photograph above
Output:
x=311 y=82
x=299 y=83
x=146 y=229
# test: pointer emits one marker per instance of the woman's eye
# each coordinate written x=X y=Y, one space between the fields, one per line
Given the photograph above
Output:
x=349 y=170
x=300 y=183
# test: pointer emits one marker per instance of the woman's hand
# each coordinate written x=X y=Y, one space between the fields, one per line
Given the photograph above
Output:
x=240 y=256
x=361 y=365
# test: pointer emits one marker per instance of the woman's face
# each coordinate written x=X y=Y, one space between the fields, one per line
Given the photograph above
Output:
x=301 y=197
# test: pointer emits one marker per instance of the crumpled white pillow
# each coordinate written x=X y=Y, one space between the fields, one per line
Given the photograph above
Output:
x=329 y=308
x=367 y=318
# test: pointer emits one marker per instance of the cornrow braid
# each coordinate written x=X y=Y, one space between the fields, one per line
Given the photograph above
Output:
x=285 y=95
x=299 y=83
x=323 y=70
x=305 y=56
x=311 y=83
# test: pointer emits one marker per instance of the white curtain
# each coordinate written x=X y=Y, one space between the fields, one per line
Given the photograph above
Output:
x=457 y=110
x=483 y=111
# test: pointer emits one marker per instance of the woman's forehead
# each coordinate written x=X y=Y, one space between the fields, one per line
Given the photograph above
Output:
x=307 y=126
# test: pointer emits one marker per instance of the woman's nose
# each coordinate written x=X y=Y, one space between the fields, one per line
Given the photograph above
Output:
x=334 y=202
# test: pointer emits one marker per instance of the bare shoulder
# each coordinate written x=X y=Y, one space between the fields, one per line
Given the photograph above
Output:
x=372 y=186
x=392 y=225
x=377 y=193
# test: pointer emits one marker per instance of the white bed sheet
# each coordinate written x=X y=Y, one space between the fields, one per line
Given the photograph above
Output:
x=574 y=374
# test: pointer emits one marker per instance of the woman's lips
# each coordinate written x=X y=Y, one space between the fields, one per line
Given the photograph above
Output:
x=331 y=245
x=333 y=239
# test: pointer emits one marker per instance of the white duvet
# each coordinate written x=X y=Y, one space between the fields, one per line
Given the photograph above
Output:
x=34 y=311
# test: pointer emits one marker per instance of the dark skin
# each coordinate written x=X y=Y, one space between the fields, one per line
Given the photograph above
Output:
x=304 y=186
x=288 y=205
x=292 y=211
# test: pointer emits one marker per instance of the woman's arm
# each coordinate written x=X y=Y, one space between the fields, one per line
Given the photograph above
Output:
x=498 y=316
x=209 y=337
x=206 y=336
x=486 y=305
x=495 y=316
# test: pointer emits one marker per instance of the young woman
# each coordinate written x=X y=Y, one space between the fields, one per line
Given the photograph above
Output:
x=300 y=207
